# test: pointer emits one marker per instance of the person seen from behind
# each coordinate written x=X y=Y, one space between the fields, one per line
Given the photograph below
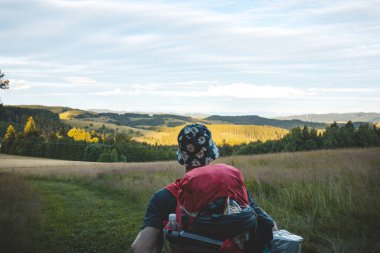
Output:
x=204 y=185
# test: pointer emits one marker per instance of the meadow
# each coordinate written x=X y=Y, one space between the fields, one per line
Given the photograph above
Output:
x=329 y=197
x=223 y=134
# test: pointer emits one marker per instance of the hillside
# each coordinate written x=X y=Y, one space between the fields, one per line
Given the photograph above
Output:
x=261 y=121
x=161 y=129
x=47 y=121
x=155 y=121
x=222 y=134
x=54 y=109
x=338 y=117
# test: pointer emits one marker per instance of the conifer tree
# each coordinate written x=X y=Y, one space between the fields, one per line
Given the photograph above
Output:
x=11 y=133
x=114 y=156
x=8 y=140
x=30 y=127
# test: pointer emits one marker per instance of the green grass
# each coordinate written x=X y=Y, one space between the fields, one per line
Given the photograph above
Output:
x=331 y=198
x=80 y=217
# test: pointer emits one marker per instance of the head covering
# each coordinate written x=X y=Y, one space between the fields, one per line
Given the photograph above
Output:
x=195 y=146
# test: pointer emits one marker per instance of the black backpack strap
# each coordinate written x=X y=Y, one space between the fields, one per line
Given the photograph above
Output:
x=263 y=234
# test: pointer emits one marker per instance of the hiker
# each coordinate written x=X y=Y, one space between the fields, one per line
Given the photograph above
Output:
x=196 y=151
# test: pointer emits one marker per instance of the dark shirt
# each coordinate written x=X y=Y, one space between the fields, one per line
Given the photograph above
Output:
x=160 y=206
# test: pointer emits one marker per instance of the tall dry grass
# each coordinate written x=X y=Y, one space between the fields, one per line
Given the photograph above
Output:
x=20 y=215
x=329 y=197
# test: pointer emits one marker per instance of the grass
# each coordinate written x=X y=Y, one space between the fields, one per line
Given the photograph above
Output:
x=96 y=124
x=82 y=218
x=328 y=197
x=20 y=215
x=224 y=133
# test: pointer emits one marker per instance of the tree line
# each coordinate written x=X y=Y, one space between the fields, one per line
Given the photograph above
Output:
x=305 y=139
x=80 y=145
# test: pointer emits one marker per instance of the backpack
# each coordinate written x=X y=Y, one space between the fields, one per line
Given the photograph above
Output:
x=203 y=196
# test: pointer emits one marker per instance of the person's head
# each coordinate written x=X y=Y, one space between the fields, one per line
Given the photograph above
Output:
x=196 y=147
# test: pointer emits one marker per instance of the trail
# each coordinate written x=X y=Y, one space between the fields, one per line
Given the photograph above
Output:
x=81 y=218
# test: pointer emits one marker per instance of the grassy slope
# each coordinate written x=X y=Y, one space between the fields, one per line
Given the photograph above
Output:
x=96 y=125
x=328 y=197
x=232 y=134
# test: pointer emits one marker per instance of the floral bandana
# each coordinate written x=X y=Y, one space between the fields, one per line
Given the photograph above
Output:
x=195 y=146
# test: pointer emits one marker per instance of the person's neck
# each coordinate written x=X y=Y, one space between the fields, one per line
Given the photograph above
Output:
x=188 y=168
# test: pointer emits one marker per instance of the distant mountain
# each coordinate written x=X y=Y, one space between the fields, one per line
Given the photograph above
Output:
x=136 y=119
x=106 y=111
x=260 y=121
x=54 y=109
x=197 y=115
x=338 y=117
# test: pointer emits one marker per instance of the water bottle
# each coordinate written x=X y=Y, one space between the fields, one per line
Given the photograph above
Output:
x=173 y=224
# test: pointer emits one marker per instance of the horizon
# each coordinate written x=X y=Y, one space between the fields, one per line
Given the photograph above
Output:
x=187 y=113
x=272 y=59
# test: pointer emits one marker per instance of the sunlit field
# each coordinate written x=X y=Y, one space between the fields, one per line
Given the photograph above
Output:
x=330 y=198
x=235 y=134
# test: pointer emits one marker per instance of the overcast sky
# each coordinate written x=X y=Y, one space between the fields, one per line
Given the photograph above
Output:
x=215 y=57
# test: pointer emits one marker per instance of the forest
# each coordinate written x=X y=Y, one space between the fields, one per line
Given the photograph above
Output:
x=80 y=145
x=305 y=139
x=52 y=139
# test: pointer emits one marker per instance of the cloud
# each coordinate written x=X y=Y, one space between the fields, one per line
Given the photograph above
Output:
x=243 y=90
x=344 y=90
x=116 y=91
x=80 y=80
x=264 y=50
x=19 y=85
x=83 y=81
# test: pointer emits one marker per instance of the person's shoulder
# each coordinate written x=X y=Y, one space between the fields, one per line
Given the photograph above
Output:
x=223 y=166
x=163 y=193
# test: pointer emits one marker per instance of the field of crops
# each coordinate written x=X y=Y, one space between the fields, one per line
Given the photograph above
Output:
x=331 y=198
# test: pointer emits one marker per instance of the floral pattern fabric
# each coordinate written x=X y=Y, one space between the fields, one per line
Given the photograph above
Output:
x=195 y=146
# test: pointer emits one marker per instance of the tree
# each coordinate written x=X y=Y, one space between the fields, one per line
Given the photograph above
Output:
x=114 y=156
x=30 y=127
x=92 y=152
x=104 y=157
x=4 y=84
x=8 y=139
x=79 y=134
x=11 y=133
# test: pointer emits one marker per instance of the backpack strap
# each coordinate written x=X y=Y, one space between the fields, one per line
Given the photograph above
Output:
x=173 y=188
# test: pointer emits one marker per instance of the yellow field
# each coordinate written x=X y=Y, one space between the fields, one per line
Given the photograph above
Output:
x=223 y=134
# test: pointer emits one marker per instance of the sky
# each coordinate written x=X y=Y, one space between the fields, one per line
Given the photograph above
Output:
x=271 y=58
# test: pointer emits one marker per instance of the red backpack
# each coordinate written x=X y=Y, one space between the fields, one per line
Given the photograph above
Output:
x=202 y=195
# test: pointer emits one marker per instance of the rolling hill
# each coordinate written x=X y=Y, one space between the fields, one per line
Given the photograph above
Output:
x=222 y=134
x=160 y=129
x=47 y=122
x=261 y=121
x=155 y=129
x=338 y=117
